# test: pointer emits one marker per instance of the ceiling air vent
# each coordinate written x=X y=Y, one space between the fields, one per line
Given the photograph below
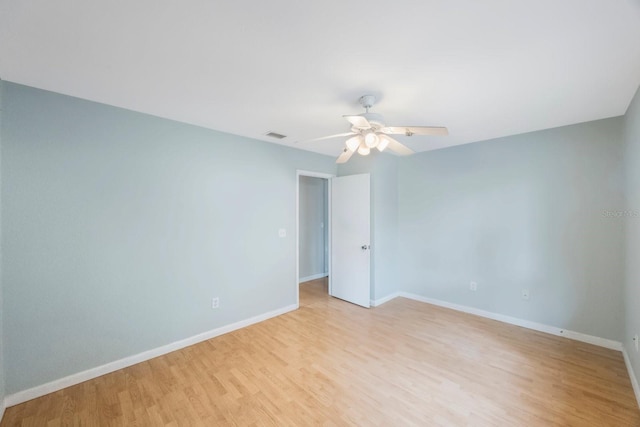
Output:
x=276 y=135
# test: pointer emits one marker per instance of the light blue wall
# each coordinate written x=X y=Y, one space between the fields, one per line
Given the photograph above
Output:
x=383 y=168
x=2 y=370
x=119 y=228
x=313 y=226
x=523 y=212
x=632 y=232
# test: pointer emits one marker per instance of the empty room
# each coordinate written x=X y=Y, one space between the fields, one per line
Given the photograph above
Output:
x=320 y=213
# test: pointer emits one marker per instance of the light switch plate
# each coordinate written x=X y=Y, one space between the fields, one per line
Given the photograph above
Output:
x=282 y=233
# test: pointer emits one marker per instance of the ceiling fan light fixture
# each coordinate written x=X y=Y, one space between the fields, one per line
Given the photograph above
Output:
x=368 y=131
x=371 y=139
x=354 y=142
x=384 y=141
x=364 y=150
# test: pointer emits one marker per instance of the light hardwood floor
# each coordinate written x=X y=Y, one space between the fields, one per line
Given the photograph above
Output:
x=333 y=363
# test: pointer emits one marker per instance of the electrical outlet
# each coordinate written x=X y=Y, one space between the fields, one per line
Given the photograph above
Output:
x=636 y=341
x=525 y=294
x=215 y=302
x=473 y=286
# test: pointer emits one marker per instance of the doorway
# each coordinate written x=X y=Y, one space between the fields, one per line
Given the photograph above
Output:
x=313 y=231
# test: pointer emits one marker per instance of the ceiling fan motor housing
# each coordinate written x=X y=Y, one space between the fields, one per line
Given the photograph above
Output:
x=376 y=120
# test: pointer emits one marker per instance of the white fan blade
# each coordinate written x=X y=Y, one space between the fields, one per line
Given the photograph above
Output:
x=326 y=137
x=415 y=130
x=345 y=156
x=399 y=148
x=358 y=121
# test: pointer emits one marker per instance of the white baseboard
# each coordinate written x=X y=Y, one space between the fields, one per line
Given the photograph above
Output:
x=50 y=387
x=313 y=277
x=632 y=376
x=380 y=301
x=602 y=342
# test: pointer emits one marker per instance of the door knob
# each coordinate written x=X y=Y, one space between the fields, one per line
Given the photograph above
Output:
x=365 y=247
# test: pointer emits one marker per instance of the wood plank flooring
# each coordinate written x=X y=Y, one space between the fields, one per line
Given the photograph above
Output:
x=335 y=364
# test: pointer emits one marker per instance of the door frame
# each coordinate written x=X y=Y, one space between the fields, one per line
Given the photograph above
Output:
x=312 y=174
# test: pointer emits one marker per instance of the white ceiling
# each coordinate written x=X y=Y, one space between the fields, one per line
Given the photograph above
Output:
x=484 y=69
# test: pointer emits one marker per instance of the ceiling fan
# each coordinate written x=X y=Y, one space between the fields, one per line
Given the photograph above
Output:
x=368 y=131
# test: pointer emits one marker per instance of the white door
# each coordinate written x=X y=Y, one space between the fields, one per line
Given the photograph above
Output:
x=350 y=238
